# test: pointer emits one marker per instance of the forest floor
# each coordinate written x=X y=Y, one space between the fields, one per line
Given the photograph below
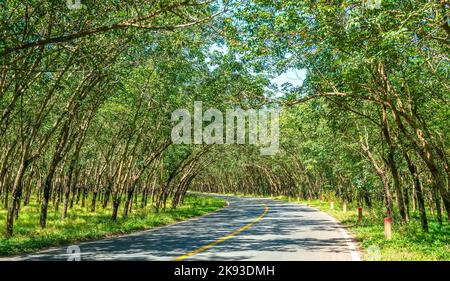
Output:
x=82 y=225
x=408 y=243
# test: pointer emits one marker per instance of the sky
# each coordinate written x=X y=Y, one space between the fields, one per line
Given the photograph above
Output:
x=293 y=76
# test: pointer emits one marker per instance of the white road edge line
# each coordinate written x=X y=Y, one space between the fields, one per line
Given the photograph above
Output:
x=350 y=244
x=353 y=251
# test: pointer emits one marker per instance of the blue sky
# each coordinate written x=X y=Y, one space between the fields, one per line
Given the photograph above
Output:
x=293 y=76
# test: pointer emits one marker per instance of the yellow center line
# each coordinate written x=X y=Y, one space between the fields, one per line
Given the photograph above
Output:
x=220 y=240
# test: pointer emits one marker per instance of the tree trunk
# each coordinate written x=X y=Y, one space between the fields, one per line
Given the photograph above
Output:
x=116 y=203
x=417 y=185
x=15 y=195
x=393 y=167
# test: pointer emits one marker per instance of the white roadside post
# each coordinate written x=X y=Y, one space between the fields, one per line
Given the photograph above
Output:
x=387 y=228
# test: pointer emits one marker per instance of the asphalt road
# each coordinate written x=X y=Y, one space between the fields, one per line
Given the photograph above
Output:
x=248 y=229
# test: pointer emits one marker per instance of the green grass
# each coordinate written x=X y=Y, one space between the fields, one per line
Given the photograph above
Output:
x=82 y=225
x=408 y=243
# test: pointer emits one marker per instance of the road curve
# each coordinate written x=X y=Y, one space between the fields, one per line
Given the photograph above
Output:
x=248 y=229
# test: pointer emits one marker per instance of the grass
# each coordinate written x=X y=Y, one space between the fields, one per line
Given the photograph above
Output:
x=408 y=243
x=83 y=225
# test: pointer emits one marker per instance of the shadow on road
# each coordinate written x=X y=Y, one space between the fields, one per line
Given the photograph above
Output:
x=287 y=231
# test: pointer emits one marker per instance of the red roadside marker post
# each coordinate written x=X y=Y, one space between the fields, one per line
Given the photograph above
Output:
x=360 y=214
x=387 y=228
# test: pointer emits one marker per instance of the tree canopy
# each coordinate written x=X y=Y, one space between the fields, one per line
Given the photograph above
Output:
x=86 y=97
